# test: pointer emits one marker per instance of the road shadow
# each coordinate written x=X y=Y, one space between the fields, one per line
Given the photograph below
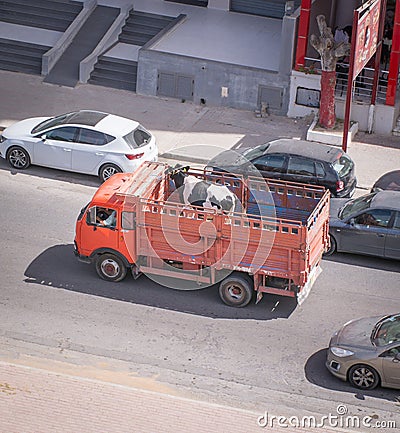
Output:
x=52 y=173
x=58 y=267
x=317 y=374
x=364 y=261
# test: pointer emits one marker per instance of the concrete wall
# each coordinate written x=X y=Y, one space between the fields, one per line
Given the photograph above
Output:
x=384 y=119
x=305 y=81
x=209 y=77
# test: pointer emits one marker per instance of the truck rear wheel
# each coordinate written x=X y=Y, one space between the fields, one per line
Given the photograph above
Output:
x=110 y=268
x=236 y=290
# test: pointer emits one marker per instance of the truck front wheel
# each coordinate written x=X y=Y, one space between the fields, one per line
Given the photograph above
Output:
x=236 y=290
x=110 y=268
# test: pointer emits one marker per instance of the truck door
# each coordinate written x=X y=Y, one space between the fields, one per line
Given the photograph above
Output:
x=100 y=229
x=127 y=238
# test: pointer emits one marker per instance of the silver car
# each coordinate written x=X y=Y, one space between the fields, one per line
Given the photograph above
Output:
x=366 y=352
x=84 y=141
x=366 y=225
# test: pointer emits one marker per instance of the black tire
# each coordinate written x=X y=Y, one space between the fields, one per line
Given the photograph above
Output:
x=332 y=247
x=110 y=268
x=107 y=170
x=236 y=290
x=18 y=157
x=363 y=376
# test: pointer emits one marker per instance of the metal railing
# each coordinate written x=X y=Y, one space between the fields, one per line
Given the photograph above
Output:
x=362 y=87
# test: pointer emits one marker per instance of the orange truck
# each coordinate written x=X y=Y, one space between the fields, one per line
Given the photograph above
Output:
x=273 y=244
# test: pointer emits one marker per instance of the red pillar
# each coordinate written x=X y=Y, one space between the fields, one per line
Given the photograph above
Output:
x=394 y=58
x=302 y=38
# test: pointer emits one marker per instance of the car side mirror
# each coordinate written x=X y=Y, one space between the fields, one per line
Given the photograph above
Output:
x=43 y=137
x=396 y=357
x=352 y=222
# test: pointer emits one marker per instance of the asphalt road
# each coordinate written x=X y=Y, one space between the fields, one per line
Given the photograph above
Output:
x=268 y=356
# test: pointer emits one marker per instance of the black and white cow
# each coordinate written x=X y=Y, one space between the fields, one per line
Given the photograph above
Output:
x=198 y=192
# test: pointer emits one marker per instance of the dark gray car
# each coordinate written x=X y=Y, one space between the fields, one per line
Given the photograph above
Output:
x=292 y=160
x=366 y=352
x=366 y=225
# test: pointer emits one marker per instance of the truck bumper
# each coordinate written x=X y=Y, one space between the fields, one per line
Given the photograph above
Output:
x=81 y=258
x=304 y=292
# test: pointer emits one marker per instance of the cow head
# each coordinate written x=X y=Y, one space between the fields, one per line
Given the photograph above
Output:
x=178 y=174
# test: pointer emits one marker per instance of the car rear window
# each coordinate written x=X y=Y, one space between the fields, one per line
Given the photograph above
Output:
x=343 y=165
x=138 y=137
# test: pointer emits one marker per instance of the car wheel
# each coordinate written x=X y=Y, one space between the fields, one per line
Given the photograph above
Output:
x=18 y=157
x=332 y=247
x=107 y=170
x=236 y=290
x=363 y=376
x=110 y=268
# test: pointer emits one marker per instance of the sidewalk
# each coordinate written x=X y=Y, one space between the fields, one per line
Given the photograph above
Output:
x=33 y=400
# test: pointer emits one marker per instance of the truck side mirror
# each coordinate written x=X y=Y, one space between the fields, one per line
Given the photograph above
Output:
x=91 y=216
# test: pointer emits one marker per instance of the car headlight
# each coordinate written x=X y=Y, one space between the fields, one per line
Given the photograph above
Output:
x=341 y=353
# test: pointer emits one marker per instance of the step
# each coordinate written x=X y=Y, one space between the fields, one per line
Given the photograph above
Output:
x=151 y=22
x=137 y=40
x=60 y=5
x=113 y=76
x=15 y=46
x=150 y=15
x=37 y=11
x=115 y=84
x=21 y=68
x=32 y=21
x=151 y=30
x=116 y=66
x=202 y=3
x=14 y=55
x=22 y=60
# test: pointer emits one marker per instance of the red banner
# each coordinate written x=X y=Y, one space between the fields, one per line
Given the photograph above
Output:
x=367 y=34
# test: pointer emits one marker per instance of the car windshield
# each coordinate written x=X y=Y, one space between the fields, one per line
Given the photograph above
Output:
x=50 y=123
x=343 y=165
x=386 y=331
x=255 y=152
x=356 y=205
x=138 y=137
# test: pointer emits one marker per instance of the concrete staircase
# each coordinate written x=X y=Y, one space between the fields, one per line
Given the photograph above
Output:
x=20 y=56
x=46 y=14
x=115 y=73
x=140 y=28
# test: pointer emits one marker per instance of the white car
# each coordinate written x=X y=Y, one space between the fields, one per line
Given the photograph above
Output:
x=84 y=141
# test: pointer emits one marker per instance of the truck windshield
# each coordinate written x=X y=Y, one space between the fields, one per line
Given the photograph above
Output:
x=357 y=205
